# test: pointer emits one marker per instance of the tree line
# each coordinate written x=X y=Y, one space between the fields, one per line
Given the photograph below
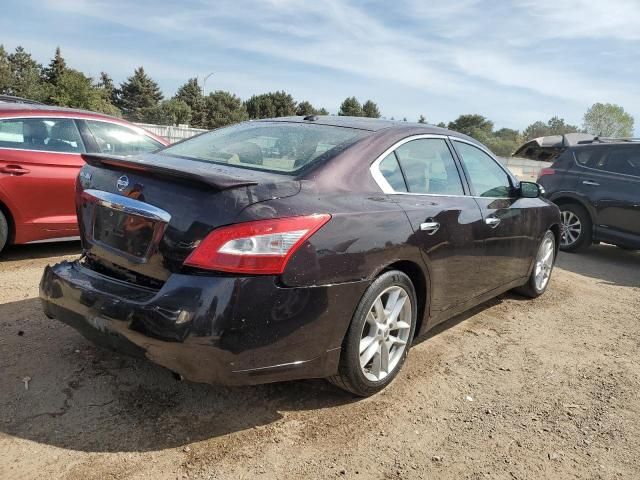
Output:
x=140 y=99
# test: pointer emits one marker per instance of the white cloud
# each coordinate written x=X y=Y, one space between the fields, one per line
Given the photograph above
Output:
x=546 y=51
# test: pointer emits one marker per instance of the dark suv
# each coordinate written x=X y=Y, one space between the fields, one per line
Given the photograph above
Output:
x=596 y=183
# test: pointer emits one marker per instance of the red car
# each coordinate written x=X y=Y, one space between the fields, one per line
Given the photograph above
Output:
x=40 y=156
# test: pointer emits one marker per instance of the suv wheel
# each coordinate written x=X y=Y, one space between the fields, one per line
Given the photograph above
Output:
x=575 y=228
x=379 y=336
x=4 y=231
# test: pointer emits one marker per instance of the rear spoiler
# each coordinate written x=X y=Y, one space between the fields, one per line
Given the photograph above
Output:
x=182 y=169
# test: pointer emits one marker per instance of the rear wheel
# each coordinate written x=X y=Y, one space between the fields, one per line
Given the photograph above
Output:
x=379 y=336
x=542 y=268
x=575 y=228
x=4 y=231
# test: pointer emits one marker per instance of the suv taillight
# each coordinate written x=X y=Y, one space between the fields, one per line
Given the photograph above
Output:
x=259 y=247
x=547 y=171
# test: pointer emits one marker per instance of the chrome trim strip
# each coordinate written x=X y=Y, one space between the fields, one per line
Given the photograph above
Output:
x=386 y=188
x=127 y=205
x=269 y=367
x=133 y=128
x=40 y=151
x=607 y=172
x=375 y=166
x=55 y=239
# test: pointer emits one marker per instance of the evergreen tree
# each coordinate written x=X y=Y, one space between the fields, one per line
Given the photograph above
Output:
x=422 y=119
x=75 y=90
x=271 y=105
x=305 y=108
x=370 y=109
x=5 y=71
x=56 y=68
x=26 y=76
x=223 y=108
x=137 y=95
x=106 y=84
x=191 y=94
x=351 y=108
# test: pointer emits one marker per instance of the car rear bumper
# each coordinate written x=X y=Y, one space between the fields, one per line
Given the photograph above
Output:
x=213 y=329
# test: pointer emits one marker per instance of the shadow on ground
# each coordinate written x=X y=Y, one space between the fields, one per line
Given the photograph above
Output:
x=39 y=250
x=83 y=397
x=86 y=398
x=607 y=263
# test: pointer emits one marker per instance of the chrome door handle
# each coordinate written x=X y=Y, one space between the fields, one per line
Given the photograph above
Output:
x=590 y=182
x=493 y=222
x=430 y=227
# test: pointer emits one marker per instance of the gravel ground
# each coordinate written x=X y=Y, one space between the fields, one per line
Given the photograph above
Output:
x=515 y=389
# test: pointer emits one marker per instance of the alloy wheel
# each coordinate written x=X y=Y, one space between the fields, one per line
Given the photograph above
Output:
x=544 y=263
x=570 y=228
x=385 y=333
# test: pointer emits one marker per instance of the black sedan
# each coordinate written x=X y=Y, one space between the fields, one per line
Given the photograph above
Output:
x=297 y=248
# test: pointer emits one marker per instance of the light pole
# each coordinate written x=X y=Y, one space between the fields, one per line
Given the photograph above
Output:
x=204 y=83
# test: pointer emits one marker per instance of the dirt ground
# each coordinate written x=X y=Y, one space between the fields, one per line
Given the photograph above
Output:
x=516 y=389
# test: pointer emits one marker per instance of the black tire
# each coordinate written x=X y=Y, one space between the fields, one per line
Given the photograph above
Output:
x=584 y=239
x=530 y=289
x=4 y=231
x=350 y=376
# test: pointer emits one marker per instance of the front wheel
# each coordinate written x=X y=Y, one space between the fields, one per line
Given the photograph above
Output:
x=4 y=231
x=542 y=268
x=379 y=336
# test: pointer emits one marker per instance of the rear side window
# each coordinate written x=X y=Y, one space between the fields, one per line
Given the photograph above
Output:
x=46 y=134
x=620 y=160
x=391 y=172
x=273 y=146
x=588 y=156
x=119 y=140
x=486 y=176
x=429 y=167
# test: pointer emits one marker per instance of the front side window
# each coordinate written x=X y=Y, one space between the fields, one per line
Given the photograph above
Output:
x=280 y=147
x=486 y=176
x=116 y=139
x=429 y=167
x=46 y=134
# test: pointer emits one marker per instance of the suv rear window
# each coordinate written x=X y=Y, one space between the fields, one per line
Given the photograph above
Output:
x=272 y=146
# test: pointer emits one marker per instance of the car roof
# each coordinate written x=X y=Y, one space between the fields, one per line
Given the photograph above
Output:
x=13 y=108
x=361 y=123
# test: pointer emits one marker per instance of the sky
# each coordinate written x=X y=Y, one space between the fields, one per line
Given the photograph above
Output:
x=514 y=62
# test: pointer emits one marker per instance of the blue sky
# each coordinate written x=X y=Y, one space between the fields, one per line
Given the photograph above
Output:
x=514 y=62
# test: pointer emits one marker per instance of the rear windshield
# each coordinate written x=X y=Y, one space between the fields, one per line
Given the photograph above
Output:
x=272 y=146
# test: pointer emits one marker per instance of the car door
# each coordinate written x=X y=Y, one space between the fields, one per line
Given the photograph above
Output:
x=509 y=222
x=39 y=162
x=424 y=177
x=115 y=139
x=611 y=181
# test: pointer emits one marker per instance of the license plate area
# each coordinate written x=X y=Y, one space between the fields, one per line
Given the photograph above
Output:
x=131 y=234
x=127 y=227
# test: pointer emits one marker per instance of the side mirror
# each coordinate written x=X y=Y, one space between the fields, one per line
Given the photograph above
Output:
x=531 y=190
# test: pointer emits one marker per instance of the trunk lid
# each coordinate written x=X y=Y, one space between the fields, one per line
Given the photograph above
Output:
x=140 y=217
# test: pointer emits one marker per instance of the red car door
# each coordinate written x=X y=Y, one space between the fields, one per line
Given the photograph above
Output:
x=39 y=162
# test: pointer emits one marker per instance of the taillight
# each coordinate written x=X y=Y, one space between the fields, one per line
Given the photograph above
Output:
x=547 y=171
x=259 y=247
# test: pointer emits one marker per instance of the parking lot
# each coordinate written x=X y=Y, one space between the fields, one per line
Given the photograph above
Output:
x=514 y=389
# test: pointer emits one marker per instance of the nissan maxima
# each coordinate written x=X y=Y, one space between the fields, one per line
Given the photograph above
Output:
x=297 y=248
